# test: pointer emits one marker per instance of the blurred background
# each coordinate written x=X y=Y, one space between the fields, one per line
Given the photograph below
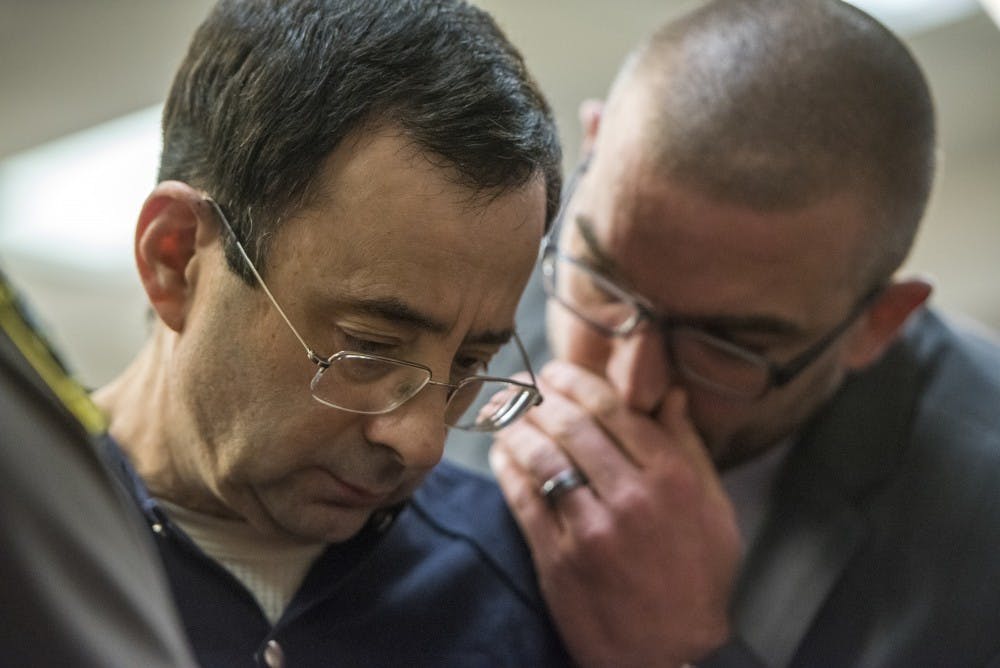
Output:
x=81 y=82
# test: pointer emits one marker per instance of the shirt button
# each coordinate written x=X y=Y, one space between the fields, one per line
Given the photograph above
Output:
x=274 y=656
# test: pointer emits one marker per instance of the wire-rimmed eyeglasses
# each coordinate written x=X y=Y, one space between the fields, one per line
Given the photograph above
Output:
x=699 y=357
x=373 y=384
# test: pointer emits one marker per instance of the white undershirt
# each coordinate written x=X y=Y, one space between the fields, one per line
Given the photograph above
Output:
x=749 y=486
x=271 y=568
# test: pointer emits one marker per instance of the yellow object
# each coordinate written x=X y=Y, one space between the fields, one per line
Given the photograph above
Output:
x=40 y=356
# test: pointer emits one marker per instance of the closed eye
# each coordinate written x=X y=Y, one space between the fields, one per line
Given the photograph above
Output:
x=369 y=346
x=728 y=337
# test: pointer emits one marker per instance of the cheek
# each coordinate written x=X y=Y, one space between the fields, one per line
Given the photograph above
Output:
x=239 y=462
x=278 y=435
x=248 y=373
x=733 y=427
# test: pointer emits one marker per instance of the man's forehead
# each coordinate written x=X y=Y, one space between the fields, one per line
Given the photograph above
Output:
x=397 y=311
x=632 y=180
x=704 y=260
x=396 y=238
x=607 y=263
x=404 y=288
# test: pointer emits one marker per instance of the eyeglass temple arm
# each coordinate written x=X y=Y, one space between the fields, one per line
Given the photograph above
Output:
x=527 y=365
x=260 y=281
x=568 y=190
x=782 y=375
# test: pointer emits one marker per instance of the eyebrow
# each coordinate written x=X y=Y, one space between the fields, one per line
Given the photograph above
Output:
x=726 y=324
x=397 y=311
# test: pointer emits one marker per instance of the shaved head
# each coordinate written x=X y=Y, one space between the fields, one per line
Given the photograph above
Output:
x=776 y=104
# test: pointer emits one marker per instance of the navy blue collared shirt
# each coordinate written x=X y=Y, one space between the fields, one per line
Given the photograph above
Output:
x=444 y=581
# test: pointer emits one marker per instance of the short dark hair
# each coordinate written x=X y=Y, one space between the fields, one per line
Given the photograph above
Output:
x=778 y=103
x=270 y=88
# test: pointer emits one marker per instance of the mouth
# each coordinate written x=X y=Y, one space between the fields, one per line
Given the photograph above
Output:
x=350 y=494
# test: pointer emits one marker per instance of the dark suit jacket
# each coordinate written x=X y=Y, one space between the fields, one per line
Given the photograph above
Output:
x=882 y=546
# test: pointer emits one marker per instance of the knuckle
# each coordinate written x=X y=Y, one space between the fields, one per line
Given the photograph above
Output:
x=675 y=477
x=603 y=405
x=521 y=498
x=567 y=429
x=596 y=539
x=545 y=461
x=632 y=501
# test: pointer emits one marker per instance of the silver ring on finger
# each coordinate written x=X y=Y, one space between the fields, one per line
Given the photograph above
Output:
x=561 y=484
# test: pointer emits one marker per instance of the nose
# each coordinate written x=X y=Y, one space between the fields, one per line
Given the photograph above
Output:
x=415 y=432
x=637 y=367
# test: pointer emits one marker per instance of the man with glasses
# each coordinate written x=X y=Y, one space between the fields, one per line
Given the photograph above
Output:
x=352 y=196
x=757 y=447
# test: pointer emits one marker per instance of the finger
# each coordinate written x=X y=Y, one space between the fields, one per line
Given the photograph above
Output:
x=652 y=444
x=567 y=425
x=541 y=459
x=676 y=421
x=635 y=434
x=534 y=451
x=540 y=526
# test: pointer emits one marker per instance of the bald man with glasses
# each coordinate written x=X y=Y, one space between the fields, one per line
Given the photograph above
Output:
x=758 y=446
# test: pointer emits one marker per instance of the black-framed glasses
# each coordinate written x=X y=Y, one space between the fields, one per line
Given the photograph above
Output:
x=373 y=384
x=699 y=357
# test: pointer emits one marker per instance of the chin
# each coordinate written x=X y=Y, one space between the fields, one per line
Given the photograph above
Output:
x=744 y=447
x=724 y=455
x=318 y=521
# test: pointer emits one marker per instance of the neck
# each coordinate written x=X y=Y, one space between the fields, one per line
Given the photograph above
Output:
x=148 y=419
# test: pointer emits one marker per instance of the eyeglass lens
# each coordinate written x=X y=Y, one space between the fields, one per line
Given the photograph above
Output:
x=366 y=384
x=699 y=357
x=481 y=404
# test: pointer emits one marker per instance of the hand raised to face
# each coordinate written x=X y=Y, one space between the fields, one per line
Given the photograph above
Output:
x=636 y=565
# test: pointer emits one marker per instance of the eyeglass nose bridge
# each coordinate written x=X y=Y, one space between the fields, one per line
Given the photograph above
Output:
x=450 y=391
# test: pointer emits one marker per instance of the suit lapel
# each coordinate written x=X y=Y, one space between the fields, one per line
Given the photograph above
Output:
x=789 y=573
x=816 y=522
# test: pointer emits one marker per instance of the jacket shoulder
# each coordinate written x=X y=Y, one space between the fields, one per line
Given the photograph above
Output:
x=459 y=504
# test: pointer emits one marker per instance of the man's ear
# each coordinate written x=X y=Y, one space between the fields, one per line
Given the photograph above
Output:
x=590 y=112
x=174 y=224
x=883 y=321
